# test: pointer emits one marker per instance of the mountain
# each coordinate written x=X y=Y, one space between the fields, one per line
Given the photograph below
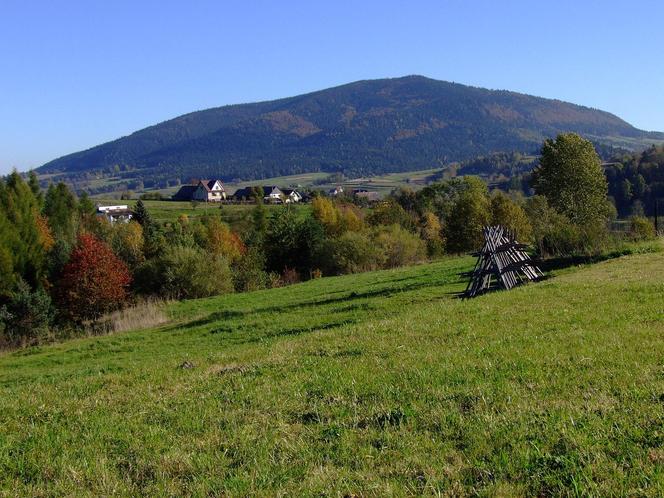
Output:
x=362 y=128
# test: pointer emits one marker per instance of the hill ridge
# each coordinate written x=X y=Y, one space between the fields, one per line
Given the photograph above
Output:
x=364 y=127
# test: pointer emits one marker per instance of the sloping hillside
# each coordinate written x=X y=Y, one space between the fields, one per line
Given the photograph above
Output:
x=363 y=128
x=375 y=384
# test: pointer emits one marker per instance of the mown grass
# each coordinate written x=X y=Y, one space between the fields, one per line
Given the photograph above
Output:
x=374 y=385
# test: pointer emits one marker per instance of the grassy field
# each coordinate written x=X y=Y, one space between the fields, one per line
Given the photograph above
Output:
x=378 y=384
x=383 y=184
x=233 y=214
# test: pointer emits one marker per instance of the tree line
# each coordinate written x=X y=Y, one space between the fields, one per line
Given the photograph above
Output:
x=62 y=266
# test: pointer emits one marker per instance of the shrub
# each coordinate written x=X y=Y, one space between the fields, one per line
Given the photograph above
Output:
x=249 y=273
x=398 y=246
x=26 y=318
x=641 y=228
x=185 y=273
x=352 y=252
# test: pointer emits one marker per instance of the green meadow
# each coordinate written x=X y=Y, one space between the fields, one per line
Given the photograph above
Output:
x=378 y=384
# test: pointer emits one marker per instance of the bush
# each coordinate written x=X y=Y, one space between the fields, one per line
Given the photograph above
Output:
x=641 y=228
x=398 y=247
x=352 y=252
x=185 y=273
x=555 y=235
x=26 y=318
x=248 y=272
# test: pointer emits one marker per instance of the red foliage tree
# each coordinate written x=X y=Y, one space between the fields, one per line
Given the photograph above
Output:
x=94 y=281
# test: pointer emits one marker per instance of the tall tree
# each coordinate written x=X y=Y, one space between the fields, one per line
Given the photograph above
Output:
x=21 y=240
x=571 y=177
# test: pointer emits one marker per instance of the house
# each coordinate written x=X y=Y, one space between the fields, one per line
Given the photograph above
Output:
x=244 y=194
x=203 y=191
x=209 y=191
x=333 y=192
x=291 y=195
x=120 y=213
x=273 y=194
x=185 y=193
x=367 y=195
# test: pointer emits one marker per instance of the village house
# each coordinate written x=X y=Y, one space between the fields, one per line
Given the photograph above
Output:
x=120 y=213
x=291 y=195
x=366 y=194
x=270 y=194
x=333 y=192
x=203 y=191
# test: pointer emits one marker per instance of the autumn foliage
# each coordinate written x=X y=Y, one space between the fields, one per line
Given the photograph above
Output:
x=94 y=281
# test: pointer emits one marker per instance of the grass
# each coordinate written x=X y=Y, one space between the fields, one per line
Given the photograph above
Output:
x=168 y=211
x=377 y=384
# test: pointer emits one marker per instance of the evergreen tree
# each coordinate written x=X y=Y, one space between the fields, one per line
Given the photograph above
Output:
x=20 y=235
x=61 y=209
x=33 y=182
x=141 y=214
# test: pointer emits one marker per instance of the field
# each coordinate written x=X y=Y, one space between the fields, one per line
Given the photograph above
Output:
x=167 y=211
x=378 y=384
x=383 y=184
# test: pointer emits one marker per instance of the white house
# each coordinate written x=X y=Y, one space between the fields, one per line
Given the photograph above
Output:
x=209 y=191
x=273 y=193
x=291 y=195
x=120 y=213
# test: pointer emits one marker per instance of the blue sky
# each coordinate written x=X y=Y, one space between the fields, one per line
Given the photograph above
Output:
x=74 y=74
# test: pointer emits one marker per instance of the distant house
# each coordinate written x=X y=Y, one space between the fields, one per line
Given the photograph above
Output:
x=271 y=194
x=338 y=190
x=120 y=213
x=210 y=191
x=244 y=194
x=366 y=194
x=203 y=191
x=291 y=195
x=185 y=193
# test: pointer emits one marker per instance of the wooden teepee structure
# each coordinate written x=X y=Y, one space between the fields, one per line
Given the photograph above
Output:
x=502 y=263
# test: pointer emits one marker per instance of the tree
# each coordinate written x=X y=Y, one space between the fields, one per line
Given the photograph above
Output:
x=33 y=182
x=27 y=315
x=432 y=231
x=221 y=241
x=21 y=241
x=469 y=214
x=570 y=176
x=141 y=214
x=127 y=242
x=327 y=214
x=506 y=212
x=94 y=281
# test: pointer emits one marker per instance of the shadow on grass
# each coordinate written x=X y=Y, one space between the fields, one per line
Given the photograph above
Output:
x=347 y=299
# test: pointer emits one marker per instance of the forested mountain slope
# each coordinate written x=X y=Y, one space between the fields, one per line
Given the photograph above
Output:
x=362 y=128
